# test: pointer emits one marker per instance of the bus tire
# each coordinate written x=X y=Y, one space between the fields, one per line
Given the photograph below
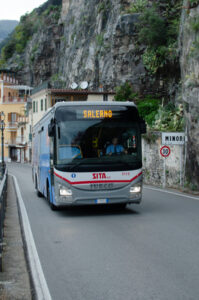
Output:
x=39 y=194
x=52 y=206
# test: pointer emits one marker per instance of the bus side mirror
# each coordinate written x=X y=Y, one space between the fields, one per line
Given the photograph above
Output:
x=142 y=126
x=51 y=128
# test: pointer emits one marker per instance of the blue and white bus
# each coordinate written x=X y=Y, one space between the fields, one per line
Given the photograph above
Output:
x=89 y=154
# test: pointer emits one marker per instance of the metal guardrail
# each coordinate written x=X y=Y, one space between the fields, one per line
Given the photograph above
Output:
x=3 y=193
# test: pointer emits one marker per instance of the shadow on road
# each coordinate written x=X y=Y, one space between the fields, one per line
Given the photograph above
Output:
x=86 y=211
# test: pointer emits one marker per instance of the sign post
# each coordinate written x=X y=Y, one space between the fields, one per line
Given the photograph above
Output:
x=165 y=152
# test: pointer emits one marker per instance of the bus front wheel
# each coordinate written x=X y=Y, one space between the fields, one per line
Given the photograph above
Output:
x=52 y=206
x=39 y=194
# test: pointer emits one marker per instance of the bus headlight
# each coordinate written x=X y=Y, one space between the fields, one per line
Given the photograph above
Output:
x=63 y=191
x=136 y=188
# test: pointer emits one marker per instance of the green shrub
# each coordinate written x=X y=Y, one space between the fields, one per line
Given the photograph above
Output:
x=125 y=92
x=159 y=31
x=195 y=24
x=193 y=2
x=100 y=40
x=8 y=50
x=153 y=30
x=152 y=60
x=148 y=108
x=101 y=7
x=169 y=118
x=137 y=6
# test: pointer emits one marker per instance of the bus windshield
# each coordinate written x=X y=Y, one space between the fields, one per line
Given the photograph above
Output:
x=98 y=138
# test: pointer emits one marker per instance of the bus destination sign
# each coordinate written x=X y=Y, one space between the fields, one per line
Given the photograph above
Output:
x=97 y=114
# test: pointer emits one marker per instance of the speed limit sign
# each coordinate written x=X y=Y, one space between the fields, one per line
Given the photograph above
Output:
x=165 y=151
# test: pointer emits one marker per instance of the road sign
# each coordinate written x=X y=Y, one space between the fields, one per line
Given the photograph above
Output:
x=165 y=151
x=173 y=138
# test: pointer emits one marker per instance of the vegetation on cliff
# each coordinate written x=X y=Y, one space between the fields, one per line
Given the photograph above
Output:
x=158 y=117
x=158 y=30
x=29 y=24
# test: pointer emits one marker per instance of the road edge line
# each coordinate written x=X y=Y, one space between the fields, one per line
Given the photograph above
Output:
x=170 y=192
x=39 y=281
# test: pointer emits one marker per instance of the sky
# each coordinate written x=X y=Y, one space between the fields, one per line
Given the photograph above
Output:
x=14 y=9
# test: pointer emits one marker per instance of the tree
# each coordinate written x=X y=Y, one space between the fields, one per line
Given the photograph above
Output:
x=125 y=93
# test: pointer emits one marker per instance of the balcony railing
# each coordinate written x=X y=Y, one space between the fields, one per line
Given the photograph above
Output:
x=22 y=120
x=20 y=140
x=15 y=99
x=12 y=125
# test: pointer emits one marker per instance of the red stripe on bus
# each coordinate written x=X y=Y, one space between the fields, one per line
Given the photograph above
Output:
x=99 y=181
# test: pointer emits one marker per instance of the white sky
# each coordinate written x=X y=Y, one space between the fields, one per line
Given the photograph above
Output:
x=14 y=9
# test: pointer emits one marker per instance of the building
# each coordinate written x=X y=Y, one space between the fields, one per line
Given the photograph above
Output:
x=44 y=97
x=13 y=104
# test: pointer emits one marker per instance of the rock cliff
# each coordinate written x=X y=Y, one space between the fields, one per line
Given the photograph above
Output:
x=96 y=41
x=189 y=38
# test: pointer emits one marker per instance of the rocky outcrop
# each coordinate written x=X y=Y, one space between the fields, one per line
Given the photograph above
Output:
x=94 y=41
x=190 y=89
x=99 y=45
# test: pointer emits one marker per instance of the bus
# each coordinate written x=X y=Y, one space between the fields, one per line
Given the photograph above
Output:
x=88 y=154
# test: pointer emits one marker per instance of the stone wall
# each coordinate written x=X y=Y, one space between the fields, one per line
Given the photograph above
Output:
x=153 y=163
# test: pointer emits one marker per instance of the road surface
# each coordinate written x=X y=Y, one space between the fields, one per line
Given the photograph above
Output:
x=145 y=252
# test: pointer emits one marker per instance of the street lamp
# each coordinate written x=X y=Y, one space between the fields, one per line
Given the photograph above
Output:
x=2 y=127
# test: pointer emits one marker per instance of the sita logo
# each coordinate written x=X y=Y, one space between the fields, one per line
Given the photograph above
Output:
x=99 y=176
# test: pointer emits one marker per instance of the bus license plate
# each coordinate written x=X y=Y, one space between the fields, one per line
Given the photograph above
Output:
x=101 y=201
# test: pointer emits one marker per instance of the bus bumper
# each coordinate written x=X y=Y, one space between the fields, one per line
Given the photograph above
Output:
x=81 y=197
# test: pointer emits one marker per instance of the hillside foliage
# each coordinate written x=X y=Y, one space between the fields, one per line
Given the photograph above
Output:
x=28 y=25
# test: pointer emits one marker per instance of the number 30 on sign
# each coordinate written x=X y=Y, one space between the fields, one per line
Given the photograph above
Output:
x=165 y=151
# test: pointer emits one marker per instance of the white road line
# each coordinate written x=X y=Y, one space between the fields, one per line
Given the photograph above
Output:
x=40 y=284
x=170 y=192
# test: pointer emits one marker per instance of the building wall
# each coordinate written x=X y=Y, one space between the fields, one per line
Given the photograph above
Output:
x=5 y=92
x=10 y=134
x=49 y=100
x=41 y=101
x=8 y=92
x=99 y=97
x=28 y=136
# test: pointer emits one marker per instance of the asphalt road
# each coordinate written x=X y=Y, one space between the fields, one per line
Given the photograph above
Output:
x=145 y=252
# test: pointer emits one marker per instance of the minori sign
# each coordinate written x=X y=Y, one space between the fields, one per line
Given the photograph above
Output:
x=173 y=138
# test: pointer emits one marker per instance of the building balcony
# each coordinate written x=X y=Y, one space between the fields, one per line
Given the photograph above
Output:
x=7 y=100
x=21 y=140
x=12 y=126
x=22 y=121
x=14 y=142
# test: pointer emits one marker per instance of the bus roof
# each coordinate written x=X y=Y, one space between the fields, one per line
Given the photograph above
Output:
x=94 y=103
x=84 y=103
